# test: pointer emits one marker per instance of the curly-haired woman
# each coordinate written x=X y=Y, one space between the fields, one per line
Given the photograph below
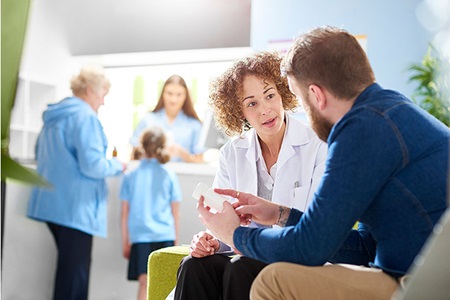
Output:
x=273 y=155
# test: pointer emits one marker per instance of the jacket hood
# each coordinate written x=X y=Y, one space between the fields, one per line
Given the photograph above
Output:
x=64 y=109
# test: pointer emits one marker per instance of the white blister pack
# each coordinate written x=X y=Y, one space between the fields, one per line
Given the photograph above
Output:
x=212 y=199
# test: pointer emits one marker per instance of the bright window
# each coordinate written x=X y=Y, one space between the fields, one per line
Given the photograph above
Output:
x=135 y=90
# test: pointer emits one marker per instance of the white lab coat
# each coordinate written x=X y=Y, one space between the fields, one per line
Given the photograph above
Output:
x=300 y=165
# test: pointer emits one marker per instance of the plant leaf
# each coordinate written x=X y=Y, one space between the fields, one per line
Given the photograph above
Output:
x=13 y=170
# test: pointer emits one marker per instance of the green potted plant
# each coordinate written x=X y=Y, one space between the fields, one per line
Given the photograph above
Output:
x=13 y=20
x=433 y=85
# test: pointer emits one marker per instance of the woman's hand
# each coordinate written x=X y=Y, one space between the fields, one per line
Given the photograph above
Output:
x=175 y=150
x=203 y=244
x=251 y=207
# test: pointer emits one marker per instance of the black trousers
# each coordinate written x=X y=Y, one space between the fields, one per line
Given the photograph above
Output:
x=74 y=262
x=216 y=277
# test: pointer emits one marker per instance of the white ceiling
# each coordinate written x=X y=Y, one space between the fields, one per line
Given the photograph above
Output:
x=121 y=26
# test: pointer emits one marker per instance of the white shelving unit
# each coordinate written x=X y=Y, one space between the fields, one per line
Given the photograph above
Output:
x=26 y=120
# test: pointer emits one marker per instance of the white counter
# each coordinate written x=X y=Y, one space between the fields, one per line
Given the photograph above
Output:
x=193 y=169
x=189 y=176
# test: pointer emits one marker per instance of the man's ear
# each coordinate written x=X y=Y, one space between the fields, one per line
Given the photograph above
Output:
x=319 y=96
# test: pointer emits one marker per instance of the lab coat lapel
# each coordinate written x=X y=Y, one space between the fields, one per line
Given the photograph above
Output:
x=250 y=183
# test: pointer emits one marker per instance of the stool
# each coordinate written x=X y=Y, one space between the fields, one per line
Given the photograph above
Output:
x=162 y=271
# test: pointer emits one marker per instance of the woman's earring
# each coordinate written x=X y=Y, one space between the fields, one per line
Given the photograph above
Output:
x=247 y=125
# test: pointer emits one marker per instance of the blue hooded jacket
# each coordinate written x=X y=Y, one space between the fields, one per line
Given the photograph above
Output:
x=70 y=154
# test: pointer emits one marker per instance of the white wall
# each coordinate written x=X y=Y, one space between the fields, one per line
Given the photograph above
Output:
x=142 y=25
x=46 y=57
x=396 y=35
x=28 y=251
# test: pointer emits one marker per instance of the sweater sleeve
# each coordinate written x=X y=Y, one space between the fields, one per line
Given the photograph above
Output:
x=90 y=143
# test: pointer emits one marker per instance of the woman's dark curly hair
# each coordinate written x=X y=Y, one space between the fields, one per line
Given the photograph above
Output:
x=226 y=90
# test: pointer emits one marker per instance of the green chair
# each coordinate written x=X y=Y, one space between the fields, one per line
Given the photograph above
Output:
x=162 y=271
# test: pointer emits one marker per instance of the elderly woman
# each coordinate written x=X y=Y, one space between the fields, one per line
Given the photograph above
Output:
x=70 y=154
x=273 y=155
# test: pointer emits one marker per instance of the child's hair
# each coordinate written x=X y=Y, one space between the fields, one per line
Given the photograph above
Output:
x=154 y=144
x=136 y=154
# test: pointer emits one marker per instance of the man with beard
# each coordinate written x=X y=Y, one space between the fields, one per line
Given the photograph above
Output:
x=387 y=168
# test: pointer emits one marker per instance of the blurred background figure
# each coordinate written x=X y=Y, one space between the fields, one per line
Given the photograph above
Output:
x=70 y=154
x=175 y=113
x=151 y=196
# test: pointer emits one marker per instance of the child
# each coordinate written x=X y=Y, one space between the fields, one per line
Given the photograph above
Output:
x=151 y=196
